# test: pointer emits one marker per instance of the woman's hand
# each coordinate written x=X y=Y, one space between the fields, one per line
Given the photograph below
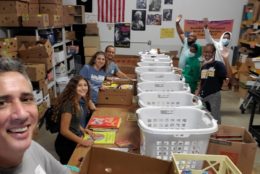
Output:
x=103 y=87
x=86 y=143
x=93 y=135
x=92 y=105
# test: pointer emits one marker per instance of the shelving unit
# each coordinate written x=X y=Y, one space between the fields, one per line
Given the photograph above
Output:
x=250 y=28
x=79 y=16
x=59 y=47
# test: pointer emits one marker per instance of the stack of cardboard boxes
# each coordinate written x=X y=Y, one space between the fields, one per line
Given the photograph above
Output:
x=39 y=13
x=91 y=41
x=8 y=47
x=127 y=64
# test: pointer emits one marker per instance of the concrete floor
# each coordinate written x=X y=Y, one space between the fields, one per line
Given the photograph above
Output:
x=231 y=114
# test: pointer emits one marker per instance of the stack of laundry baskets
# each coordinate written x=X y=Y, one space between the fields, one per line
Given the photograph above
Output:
x=170 y=118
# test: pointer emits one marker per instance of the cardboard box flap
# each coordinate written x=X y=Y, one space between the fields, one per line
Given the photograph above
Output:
x=102 y=160
x=242 y=153
x=40 y=49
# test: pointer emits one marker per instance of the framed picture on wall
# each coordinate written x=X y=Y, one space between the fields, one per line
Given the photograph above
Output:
x=155 y=5
x=154 y=19
x=87 y=4
x=138 y=19
x=166 y=2
x=141 y=4
x=122 y=35
x=167 y=14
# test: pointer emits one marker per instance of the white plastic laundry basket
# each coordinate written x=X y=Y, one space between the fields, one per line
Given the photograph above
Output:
x=170 y=86
x=154 y=56
x=153 y=63
x=177 y=130
x=168 y=99
x=159 y=69
x=157 y=59
x=164 y=76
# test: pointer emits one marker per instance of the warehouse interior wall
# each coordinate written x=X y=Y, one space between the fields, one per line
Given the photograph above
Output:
x=190 y=9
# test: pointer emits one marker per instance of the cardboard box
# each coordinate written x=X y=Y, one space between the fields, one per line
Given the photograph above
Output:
x=34 y=8
x=70 y=35
x=130 y=60
x=92 y=29
x=8 y=54
x=91 y=41
x=8 y=44
x=36 y=71
x=55 y=20
x=127 y=69
x=53 y=9
x=87 y=59
x=68 y=20
x=47 y=61
x=50 y=1
x=41 y=49
x=69 y=10
x=33 y=2
x=25 y=40
x=90 y=51
x=13 y=7
x=117 y=96
x=102 y=160
x=35 y=20
x=241 y=153
x=42 y=108
x=10 y=20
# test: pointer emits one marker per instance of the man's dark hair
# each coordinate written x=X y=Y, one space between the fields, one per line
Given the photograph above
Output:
x=109 y=46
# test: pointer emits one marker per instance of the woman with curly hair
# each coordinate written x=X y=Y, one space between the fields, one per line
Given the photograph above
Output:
x=70 y=110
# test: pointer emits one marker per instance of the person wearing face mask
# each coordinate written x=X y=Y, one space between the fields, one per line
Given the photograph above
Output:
x=213 y=73
x=191 y=71
x=187 y=42
x=223 y=52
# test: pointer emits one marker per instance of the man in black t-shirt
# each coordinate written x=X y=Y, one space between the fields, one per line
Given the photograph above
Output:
x=213 y=74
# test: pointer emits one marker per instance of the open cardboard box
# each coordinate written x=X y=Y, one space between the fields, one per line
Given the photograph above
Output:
x=237 y=143
x=104 y=161
x=117 y=96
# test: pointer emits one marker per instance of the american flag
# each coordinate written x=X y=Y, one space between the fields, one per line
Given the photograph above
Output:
x=111 y=11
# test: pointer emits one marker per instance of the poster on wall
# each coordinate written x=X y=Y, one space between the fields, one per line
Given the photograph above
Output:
x=138 y=19
x=87 y=4
x=155 y=5
x=122 y=35
x=166 y=33
x=154 y=19
x=168 y=2
x=216 y=27
x=141 y=4
x=167 y=14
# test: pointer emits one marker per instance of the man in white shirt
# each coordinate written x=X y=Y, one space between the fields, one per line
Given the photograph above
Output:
x=18 y=119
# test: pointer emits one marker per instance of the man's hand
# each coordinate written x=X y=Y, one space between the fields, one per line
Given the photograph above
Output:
x=205 y=22
x=178 y=19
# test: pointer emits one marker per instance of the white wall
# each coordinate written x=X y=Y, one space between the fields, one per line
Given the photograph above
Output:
x=190 y=9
